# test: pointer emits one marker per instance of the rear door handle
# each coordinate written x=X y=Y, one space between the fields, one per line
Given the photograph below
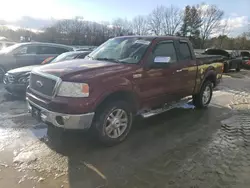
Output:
x=180 y=70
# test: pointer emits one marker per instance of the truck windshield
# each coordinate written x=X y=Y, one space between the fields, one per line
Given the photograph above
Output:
x=122 y=50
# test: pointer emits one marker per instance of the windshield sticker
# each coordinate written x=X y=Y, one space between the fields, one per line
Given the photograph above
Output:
x=162 y=59
x=142 y=42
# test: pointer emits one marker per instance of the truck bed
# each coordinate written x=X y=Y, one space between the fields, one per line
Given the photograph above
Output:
x=207 y=59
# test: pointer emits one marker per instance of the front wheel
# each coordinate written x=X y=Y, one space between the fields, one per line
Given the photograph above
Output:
x=203 y=98
x=113 y=122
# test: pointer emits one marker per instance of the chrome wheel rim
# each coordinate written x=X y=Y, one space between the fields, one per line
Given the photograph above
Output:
x=2 y=73
x=206 y=95
x=116 y=123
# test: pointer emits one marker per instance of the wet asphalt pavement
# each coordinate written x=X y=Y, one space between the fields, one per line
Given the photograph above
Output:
x=181 y=148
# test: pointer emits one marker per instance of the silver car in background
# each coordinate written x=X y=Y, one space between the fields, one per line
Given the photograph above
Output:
x=25 y=54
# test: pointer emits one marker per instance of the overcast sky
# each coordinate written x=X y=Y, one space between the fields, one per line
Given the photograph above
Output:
x=40 y=13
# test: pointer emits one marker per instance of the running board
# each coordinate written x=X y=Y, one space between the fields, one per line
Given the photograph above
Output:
x=166 y=107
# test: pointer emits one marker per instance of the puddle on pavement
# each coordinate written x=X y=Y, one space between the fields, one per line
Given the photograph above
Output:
x=39 y=131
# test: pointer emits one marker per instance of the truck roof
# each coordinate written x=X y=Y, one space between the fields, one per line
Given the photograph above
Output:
x=154 y=37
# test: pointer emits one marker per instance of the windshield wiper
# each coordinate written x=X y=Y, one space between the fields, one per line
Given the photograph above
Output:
x=108 y=59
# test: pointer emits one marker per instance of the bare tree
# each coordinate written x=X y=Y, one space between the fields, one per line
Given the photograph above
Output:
x=224 y=30
x=139 y=24
x=211 y=16
x=121 y=27
x=155 y=20
x=172 y=19
x=248 y=33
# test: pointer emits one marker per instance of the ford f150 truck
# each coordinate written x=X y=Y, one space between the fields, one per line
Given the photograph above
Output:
x=122 y=78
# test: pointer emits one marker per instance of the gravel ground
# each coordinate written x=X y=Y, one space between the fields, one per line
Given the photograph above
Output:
x=181 y=148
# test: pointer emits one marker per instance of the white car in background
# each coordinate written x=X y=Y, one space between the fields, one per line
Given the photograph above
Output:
x=4 y=44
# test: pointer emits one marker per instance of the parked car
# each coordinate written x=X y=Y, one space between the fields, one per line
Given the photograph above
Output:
x=16 y=80
x=247 y=64
x=231 y=61
x=25 y=54
x=124 y=77
x=246 y=59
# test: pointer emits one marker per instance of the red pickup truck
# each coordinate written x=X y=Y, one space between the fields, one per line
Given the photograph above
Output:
x=124 y=77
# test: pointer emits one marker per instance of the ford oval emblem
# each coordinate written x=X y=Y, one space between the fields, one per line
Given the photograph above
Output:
x=39 y=83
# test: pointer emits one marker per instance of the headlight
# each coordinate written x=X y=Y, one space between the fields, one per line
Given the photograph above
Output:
x=71 y=89
x=24 y=78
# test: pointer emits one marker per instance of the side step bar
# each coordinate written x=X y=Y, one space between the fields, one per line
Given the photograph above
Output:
x=167 y=107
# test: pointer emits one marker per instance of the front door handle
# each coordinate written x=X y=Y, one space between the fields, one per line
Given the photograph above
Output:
x=180 y=70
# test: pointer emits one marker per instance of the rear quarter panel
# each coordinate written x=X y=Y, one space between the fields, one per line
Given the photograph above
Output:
x=208 y=67
x=233 y=64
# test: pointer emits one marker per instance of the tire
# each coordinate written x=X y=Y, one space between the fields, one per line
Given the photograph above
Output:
x=109 y=136
x=199 y=100
x=226 y=68
x=2 y=73
x=238 y=67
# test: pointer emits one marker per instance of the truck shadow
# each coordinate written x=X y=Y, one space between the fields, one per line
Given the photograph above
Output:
x=10 y=97
x=174 y=135
x=234 y=74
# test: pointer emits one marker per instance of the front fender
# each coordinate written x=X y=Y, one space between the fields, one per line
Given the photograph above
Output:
x=111 y=86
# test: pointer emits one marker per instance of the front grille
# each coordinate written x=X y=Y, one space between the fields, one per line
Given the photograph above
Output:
x=42 y=84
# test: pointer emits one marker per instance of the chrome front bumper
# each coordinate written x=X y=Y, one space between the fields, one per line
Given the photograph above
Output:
x=66 y=121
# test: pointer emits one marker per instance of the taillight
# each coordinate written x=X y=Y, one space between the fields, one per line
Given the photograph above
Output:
x=47 y=60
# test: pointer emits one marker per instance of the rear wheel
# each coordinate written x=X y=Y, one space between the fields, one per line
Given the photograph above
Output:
x=226 y=67
x=238 y=67
x=203 y=98
x=113 y=122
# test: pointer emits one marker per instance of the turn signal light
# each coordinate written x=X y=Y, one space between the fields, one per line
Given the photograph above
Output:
x=85 y=88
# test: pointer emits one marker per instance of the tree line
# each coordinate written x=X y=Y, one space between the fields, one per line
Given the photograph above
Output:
x=200 y=23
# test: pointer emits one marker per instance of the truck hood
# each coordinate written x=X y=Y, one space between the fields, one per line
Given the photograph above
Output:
x=67 y=69
x=23 y=69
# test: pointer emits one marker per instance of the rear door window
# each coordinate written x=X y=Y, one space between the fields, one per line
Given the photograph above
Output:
x=51 y=50
x=185 y=51
x=46 y=50
x=60 y=50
